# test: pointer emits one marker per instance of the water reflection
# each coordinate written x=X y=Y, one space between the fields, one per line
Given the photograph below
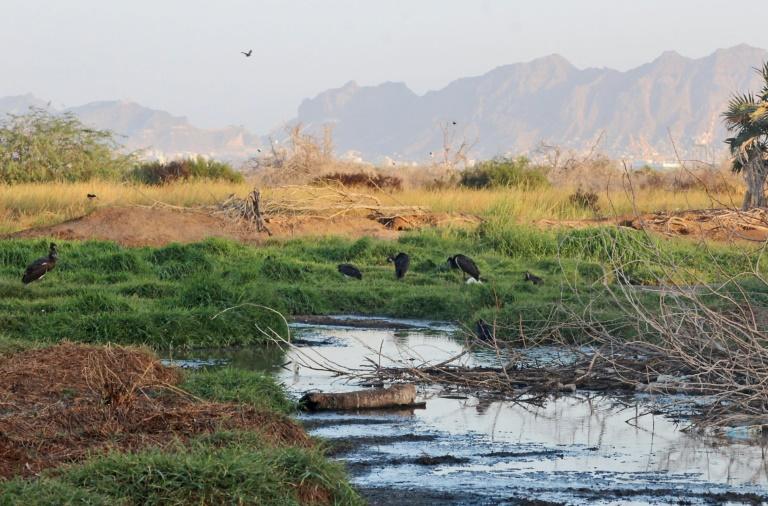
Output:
x=570 y=442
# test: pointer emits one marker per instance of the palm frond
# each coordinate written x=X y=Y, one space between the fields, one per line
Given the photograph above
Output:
x=739 y=110
x=763 y=71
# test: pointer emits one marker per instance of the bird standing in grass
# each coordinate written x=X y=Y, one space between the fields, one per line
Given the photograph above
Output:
x=484 y=330
x=533 y=278
x=402 y=261
x=40 y=267
x=465 y=265
x=350 y=271
x=91 y=196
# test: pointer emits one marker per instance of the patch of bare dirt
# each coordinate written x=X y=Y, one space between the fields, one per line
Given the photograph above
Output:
x=140 y=226
x=61 y=404
x=157 y=226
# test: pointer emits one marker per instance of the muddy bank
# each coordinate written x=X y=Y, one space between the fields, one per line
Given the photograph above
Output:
x=353 y=322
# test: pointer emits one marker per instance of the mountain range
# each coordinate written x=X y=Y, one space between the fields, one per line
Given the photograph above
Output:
x=511 y=109
x=157 y=133
x=514 y=108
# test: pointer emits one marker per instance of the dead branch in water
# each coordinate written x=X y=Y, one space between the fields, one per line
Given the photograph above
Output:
x=392 y=397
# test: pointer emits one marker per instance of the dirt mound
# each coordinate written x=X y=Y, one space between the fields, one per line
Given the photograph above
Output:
x=158 y=226
x=140 y=226
x=62 y=403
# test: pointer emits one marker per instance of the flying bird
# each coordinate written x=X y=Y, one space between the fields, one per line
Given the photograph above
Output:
x=453 y=122
x=40 y=267
x=91 y=196
x=402 y=261
x=350 y=271
x=533 y=278
x=248 y=54
x=466 y=265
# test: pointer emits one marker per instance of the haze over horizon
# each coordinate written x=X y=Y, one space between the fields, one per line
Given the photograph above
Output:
x=185 y=58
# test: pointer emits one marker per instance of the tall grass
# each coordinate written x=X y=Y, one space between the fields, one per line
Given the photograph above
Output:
x=38 y=204
x=526 y=205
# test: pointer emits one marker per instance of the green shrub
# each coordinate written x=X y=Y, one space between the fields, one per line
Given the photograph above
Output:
x=159 y=173
x=501 y=172
x=41 y=147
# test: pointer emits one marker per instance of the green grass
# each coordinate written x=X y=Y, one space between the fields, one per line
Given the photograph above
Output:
x=9 y=345
x=223 y=468
x=229 y=384
x=174 y=296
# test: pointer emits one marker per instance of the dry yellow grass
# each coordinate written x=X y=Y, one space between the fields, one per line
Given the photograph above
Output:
x=30 y=205
x=527 y=205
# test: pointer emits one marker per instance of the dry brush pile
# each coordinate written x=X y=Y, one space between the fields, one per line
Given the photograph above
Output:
x=63 y=403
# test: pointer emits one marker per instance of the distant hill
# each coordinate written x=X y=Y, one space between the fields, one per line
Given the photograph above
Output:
x=157 y=132
x=19 y=104
x=515 y=107
x=510 y=109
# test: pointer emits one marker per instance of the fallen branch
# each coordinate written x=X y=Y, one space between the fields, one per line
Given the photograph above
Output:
x=396 y=396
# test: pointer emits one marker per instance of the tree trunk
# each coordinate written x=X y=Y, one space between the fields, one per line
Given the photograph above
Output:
x=754 y=176
x=394 y=396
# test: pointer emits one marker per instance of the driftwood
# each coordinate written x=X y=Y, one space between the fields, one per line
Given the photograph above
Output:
x=246 y=210
x=394 y=396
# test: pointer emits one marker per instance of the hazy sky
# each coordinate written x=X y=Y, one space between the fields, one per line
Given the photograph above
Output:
x=184 y=55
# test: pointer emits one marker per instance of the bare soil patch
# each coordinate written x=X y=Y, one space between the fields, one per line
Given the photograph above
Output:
x=157 y=226
x=141 y=226
x=64 y=403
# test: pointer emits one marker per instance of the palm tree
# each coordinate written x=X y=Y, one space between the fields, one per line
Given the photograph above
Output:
x=747 y=118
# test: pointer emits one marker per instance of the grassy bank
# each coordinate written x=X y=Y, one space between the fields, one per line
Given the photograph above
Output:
x=228 y=459
x=224 y=468
x=174 y=296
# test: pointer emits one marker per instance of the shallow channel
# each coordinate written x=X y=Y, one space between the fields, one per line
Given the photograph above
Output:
x=576 y=449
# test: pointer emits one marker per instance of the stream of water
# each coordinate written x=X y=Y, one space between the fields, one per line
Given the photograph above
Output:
x=576 y=449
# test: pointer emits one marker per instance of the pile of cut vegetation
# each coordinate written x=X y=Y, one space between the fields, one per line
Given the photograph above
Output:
x=64 y=403
x=718 y=224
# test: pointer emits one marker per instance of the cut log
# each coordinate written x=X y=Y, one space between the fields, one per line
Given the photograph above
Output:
x=392 y=397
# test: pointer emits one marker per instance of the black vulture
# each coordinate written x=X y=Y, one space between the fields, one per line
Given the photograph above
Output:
x=466 y=265
x=248 y=54
x=351 y=271
x=40 y=267
x=533 y=278
x=402 y=262
x=91 y=196
x=484 y=330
